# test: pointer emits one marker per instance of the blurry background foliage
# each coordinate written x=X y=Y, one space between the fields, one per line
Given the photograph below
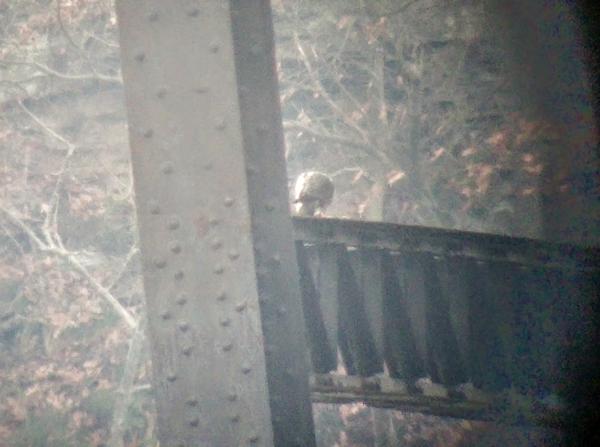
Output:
x=416 y=108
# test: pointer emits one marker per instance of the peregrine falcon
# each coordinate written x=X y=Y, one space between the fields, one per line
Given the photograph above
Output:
x=313 y=192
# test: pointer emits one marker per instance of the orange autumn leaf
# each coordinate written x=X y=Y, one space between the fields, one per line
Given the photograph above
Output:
x=345 y=21
x=498 y=140
x=468 y=151
x=395 y=176
x=359 y=174
x=534 y=170
x=527 y=158
x=437 y=154
x=528 y=191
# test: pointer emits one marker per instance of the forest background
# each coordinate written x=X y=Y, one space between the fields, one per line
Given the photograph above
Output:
x=456 y=114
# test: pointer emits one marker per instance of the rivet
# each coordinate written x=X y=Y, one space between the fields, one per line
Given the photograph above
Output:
x=192 y=402
x=201 y=90
x=175 y=247
x=276 y=259
x=181 y=299
x=173 y=223
x=246 y=369
x=221 y=296
x=208 y=166
x=251 y=170
x=216 y=243
x=178 y=275
x=165 y=315
x=282 y=310
x=220 y=125
x=194 y=422
x=167 y=167
x=187 y=350
x=171 y=377
x=262 y=128
x=240 y=306
x=219 y=269
x=253 y=439
x=153 y=16
x=233 y=255
x=140 y=57
x=153 y=207
x=269 y=207
x=225 y=322
x=161 y=93
x=227 y=347
x=183 y=326
x=160 y=263
x=213 y=221
x=194 y=12
x=232 y=397
x=235 y=418
x=148 y=133
x=228 y=201
x=214 y=47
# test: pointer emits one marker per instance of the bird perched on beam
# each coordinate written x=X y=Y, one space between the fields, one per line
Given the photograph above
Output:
x=313 y=193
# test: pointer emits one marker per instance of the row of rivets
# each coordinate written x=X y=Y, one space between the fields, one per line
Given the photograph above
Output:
x=153 y=16
x=175 y=247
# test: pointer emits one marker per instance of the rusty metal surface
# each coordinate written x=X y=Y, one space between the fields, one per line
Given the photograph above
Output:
x=203 y=119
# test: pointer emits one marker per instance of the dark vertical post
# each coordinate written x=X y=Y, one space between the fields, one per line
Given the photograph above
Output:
x=220 y=272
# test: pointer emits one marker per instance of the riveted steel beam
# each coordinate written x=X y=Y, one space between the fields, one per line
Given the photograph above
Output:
x=224 y=308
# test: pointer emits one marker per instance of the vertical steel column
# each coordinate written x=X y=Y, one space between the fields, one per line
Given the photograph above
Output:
x=220 y=270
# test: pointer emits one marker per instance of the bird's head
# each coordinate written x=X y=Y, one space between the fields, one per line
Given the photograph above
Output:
x=313 y=192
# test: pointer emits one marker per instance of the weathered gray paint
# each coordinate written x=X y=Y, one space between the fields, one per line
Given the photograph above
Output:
x=216 y=236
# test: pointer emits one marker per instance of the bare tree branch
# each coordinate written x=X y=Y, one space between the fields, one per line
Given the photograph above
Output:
x=323 y=92
x=50 y=247
x=291 y=126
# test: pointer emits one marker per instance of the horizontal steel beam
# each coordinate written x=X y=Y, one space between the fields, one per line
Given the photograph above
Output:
x=406 y=238
x=384 y=392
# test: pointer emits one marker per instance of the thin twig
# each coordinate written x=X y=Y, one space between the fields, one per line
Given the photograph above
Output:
x=61 y=24
x=132 y=252
x=51 y=219
x=126 y=389
x=287 y=125
x=66 y=76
